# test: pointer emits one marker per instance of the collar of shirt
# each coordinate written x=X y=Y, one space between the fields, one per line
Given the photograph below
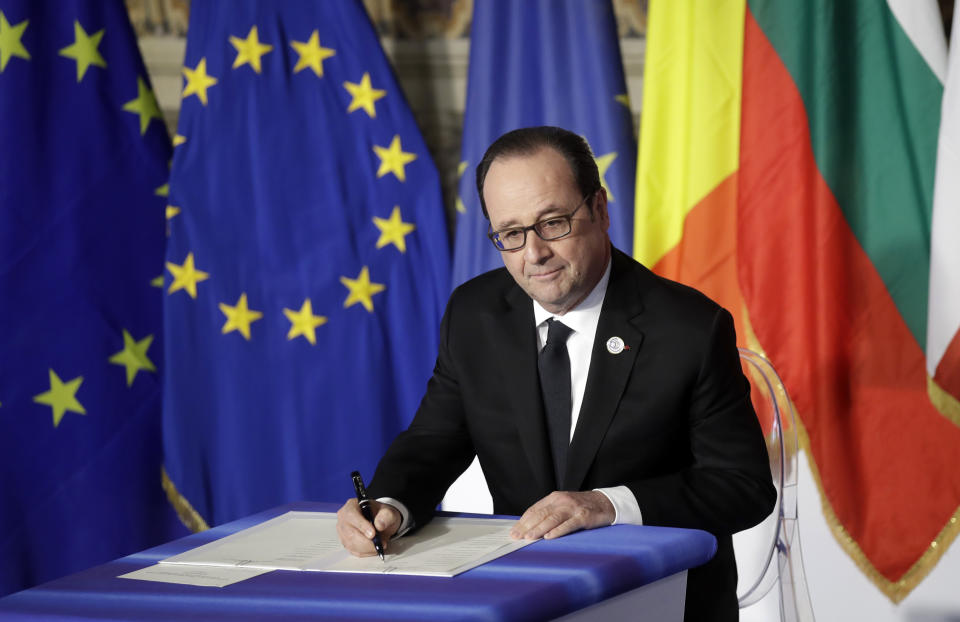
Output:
x=583 y=318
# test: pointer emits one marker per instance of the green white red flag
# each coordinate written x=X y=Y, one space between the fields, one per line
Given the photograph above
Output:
x=812 y=223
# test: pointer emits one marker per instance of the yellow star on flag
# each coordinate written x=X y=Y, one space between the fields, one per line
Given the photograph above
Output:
x=249 y=50
x=198 y=81
x=603 y=163
x=393 y=230
x=361 y=290
x=186 y=276
x=393 y=159
x=623 y=98
x=239 y=317
x=61 y=397
x=84 y=49
x=364 y=95
x=178 y=140
x=459 y=202
x=157 y=281
x=10 y=44
x=312 y=54
x=304 y=323
x=162 y=191
x=144 y=105
x=134 y=356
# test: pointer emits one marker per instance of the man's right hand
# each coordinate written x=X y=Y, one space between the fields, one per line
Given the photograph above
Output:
x=356 y=533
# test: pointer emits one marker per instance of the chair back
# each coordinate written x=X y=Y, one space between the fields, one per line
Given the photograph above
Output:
x=769 y=554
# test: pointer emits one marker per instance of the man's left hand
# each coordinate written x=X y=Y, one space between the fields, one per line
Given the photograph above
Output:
x=561 y=512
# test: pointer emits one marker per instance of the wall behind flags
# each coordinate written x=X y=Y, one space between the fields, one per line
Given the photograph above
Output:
x=428 y=44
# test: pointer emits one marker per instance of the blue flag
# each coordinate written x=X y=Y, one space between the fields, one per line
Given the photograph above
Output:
x=83 y=171
x=308 y=260
x=544 y=62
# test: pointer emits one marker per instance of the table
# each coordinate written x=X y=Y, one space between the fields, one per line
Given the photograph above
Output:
x=604 y=573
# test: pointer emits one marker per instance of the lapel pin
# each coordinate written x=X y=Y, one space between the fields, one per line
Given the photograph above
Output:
x=615 y=345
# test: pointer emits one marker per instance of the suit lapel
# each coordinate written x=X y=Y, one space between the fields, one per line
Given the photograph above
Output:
x=609 y=372
x=522 y=382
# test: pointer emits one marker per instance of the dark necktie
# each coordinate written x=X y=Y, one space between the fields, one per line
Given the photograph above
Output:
x=554 y=366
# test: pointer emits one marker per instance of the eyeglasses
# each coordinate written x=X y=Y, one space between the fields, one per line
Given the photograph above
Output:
x=552 y=228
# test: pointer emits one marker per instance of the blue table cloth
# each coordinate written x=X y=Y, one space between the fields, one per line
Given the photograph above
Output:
x=542 y=581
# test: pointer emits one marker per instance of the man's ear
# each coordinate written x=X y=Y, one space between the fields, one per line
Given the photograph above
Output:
x=600 y=207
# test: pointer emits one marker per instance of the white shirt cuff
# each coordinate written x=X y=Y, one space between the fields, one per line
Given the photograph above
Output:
x=624 y=504
x=406 y=523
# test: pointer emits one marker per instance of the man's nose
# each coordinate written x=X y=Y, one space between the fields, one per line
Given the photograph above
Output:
x=536 y=250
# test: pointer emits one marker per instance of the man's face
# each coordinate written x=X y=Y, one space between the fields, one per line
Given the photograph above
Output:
x=522 y=190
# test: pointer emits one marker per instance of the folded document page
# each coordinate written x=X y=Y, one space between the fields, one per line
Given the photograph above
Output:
x=445 y=547
x=205 y=576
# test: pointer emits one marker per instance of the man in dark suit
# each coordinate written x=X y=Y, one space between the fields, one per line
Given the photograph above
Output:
x=593 y=391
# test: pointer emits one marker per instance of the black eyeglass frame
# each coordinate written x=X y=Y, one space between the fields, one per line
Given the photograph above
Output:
x=535 y=227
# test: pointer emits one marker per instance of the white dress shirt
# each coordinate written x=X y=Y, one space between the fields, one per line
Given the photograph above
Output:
x=583 y=320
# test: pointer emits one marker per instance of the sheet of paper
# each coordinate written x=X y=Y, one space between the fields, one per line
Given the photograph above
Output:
x=288 y=542
x=446 y=546
x=207 y=576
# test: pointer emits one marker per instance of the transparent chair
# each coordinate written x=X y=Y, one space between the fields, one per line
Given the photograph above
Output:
x=769 y=554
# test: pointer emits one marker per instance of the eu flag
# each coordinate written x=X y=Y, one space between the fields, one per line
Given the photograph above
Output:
x=82 y=175
x=308 y=259
x=544 y=62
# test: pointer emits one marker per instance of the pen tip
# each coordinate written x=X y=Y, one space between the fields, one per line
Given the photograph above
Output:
x=382 y=558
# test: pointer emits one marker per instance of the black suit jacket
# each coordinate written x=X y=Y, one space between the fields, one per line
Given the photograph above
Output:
x=669 y=417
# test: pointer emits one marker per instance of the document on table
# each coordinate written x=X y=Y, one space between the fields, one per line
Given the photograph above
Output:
x=206 y=576
x=445 y=547
x=288 y=542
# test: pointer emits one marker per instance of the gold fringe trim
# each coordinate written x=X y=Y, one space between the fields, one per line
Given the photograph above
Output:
x=188 y=516
x=896 y=591
x=947 y=404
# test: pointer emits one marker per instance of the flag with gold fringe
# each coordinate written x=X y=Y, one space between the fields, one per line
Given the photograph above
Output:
x=83 y=171
x=837 y=159
x=787 y=168
x=308 y=259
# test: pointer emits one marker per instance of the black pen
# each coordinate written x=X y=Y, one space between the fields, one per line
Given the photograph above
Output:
x=365 y=509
